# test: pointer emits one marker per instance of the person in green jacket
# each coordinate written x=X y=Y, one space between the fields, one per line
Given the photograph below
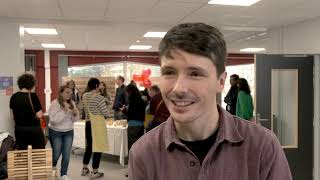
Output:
x=244 y=108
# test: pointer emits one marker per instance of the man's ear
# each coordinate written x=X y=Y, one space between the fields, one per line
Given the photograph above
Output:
x=221 y=80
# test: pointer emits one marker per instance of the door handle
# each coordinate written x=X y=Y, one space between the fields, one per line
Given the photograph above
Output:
x=260 y=119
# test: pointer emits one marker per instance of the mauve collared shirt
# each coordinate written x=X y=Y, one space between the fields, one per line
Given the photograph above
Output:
x=242 y=151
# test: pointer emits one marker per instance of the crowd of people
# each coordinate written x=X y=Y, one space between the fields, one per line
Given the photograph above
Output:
x=193 y=131
x=129 y=103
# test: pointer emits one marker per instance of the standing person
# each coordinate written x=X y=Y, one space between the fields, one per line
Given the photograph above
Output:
x=120 y=100
x=201 y=140
x=95 y=129
x=244 y=107
x=158 y=108
x=62 y=114
x=26 y=109
x=135 y=113
x=104 y=93
x=75 y=93
x=231 y=98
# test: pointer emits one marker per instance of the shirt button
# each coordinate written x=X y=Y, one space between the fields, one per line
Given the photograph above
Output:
x=192 y=163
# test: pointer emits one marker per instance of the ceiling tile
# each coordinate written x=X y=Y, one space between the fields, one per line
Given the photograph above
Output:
x=32 y=8
x=83 y=9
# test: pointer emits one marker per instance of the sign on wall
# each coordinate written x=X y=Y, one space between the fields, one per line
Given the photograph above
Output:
x=6 y=85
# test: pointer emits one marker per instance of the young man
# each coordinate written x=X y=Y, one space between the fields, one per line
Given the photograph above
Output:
x=231 y=97
x=121 y=99
x=200 y=140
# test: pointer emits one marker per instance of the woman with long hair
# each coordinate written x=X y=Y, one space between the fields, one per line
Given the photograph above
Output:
x=244 y=108
x=75 y=93
x=26 y=110
x=104 y=93
x=62 y=114
x=136 y=114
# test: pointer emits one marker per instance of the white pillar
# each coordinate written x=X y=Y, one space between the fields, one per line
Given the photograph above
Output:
x=47 y=89
x=316 y=121
x=12 y=65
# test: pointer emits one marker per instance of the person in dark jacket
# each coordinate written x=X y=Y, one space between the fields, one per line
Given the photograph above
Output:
x=231 y=98
x=120 y=100
x=136 y=114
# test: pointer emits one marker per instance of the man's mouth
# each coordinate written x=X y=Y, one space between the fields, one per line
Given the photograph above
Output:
x=182 y=103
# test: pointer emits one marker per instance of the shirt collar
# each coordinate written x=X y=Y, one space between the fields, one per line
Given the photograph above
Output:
x=227 y=130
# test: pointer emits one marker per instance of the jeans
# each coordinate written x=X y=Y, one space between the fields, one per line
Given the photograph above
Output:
x=61 y=143
x=87 y=155
x=134 y=133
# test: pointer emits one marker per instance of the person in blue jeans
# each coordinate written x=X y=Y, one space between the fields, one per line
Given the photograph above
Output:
x=62 y=114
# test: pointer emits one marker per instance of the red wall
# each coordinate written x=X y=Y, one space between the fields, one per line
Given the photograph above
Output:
x=40 y=75
x=237 y=59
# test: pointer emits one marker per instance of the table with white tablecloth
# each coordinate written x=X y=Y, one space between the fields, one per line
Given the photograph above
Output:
x=117 y=140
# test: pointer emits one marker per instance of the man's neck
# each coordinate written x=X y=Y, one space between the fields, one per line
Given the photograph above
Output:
x=234 y=87
x=199 y=129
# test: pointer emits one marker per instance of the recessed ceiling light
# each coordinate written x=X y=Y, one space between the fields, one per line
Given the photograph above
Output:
x=155 y=34
x=140 y=47
x=262 y=34
x=45 y=31
x=252 y=49
x=58 y=46
x=137 y=41
x=234 y=2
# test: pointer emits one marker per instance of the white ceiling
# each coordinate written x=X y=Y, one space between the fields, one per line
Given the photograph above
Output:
x=113 y=25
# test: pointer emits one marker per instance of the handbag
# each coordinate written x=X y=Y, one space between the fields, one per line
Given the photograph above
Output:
x=42 y=121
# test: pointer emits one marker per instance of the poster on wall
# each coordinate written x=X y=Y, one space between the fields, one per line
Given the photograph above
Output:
x=6 y=85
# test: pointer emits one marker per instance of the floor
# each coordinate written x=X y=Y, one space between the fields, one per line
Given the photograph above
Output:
x=109 y=165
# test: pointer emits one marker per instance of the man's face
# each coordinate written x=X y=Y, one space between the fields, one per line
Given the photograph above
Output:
x=118 y=81
x=233 y=82
x=189 y=85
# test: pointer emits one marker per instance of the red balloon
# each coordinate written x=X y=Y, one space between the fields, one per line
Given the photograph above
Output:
x=143 y=78
x=147 y=83
x=146 y=72
x=137 y=77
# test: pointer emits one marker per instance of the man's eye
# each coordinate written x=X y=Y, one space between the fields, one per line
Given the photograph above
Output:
x=195 y=74
x=168 y=73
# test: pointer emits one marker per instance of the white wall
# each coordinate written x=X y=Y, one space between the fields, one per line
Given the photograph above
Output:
x=300 y=38
x=11 y=64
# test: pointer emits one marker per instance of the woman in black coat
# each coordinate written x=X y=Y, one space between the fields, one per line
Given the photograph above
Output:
x=136 y=114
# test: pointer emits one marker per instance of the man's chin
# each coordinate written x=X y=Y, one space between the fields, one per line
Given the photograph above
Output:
x=182 y=119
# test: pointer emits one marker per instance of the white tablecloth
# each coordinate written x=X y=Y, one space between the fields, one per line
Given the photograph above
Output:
x=117 y=139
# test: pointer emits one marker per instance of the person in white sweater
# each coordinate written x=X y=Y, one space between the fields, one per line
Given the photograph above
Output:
x=62 y=114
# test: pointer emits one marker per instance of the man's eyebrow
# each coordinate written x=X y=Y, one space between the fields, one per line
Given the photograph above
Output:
x=166 y=67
